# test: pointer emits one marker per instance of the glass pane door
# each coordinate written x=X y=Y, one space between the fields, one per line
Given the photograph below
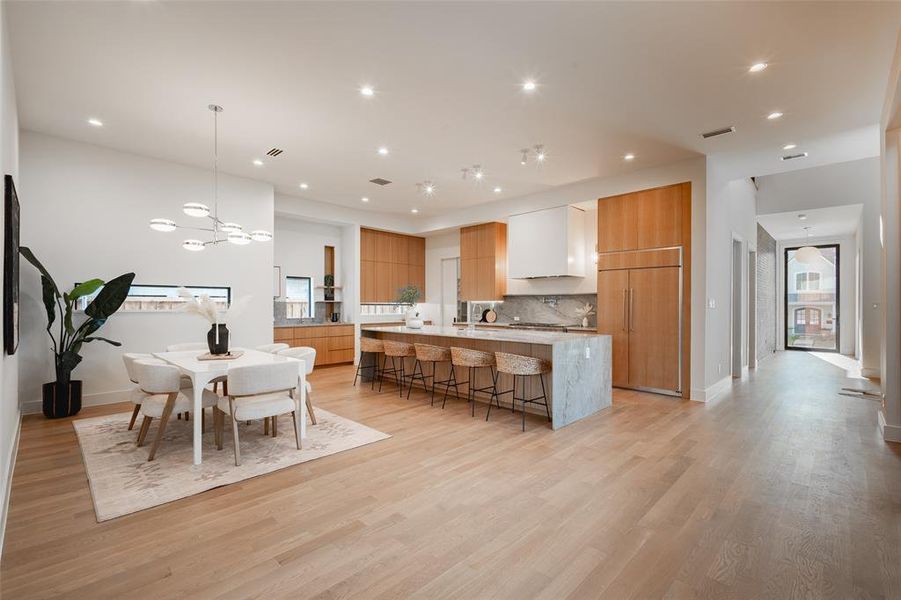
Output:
x=812 y=298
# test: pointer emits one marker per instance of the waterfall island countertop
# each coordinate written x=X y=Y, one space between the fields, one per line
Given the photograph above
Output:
x=581 y=364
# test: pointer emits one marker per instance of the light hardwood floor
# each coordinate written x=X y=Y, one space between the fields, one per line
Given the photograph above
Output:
x=781 y=489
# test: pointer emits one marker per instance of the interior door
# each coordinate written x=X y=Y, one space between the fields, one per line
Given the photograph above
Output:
x=613 y=319
x=654 y=340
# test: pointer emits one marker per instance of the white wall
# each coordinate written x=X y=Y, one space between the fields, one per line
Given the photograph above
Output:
x=300 y=251
x=9 y=160
x=585 y=194
x=854 y=182
x=439 y=246
x=85 y=211
x=731 y=214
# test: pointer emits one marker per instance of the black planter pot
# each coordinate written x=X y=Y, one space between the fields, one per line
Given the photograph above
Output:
x=222 y=346
x=62 y=399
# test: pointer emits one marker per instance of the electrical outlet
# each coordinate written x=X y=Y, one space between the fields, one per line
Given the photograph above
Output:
x=516 y=319
x=711 y=302
x=587 y=352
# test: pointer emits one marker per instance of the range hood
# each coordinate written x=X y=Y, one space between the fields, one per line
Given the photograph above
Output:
x=546 y=243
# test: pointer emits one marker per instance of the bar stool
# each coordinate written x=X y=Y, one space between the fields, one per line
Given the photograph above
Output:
x=426 y=353
x=395 y=350
x=374 y=347
x=472 y=360
x=522 y=367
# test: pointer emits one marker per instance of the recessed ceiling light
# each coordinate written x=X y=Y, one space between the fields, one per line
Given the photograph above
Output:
x=802 y=216
x=383 y=151
x=367 y=91
x=414 y=210
x=629 y=156
x=364 y=199
x=758 y=67
x=95 y=122
x=304 y=186
x=789 y=146
x=774 y=115
x=498 y=190
x=258 y=162
x=529 y=85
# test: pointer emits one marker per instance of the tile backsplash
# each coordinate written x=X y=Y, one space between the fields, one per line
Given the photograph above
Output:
x=558 y=310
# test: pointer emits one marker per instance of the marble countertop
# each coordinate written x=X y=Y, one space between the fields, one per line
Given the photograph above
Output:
x=499 y=334
x=512 y=326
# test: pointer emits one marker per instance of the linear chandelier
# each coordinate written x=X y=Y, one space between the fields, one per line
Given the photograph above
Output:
x=223 y=231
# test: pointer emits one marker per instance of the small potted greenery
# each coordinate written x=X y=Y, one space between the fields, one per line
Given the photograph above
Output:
x=409 y=296
x=62 y=398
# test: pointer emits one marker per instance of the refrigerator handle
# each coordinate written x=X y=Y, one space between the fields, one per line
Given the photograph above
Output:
x=631 y=309
x=625 y=310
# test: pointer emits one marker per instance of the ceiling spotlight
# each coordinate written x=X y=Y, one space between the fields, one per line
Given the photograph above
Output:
x=529 y=85
x=258 y=162
x=498 y=190
x=364 y=199
x=95 y=122
x=629 y=156
x=802 y=217
x=428 y=188
x=367 y=91
x=525 y=156
x=539 y=153
x=758 y=67
x=774 y=115
x=304 y=186
x=383 y=151
x=477 y=172
x=414 y=210
x=789 y=146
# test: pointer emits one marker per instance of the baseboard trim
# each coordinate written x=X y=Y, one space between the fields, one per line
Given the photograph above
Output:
x=709 y=393
x=7 y=489
x=890 y=433
x=33 y=407
x=870 y=373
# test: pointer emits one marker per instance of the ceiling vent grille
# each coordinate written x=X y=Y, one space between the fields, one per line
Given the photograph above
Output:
x=718 y=132
x=379 y=181
x=274 y=152
x=794 y=156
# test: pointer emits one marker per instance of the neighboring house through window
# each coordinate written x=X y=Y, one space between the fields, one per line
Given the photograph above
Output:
x=299 y=297
x=807 y=281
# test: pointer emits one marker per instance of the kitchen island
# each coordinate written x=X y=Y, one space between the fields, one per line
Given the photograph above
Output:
x=580 y=381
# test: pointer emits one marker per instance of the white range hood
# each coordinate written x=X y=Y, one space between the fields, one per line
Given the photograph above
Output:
x=546 y=243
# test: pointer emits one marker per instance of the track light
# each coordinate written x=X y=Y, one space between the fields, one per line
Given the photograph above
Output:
x=539 y=153
x=525 y=156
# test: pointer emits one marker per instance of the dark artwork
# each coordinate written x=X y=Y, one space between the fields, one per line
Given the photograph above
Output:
x=10 y=268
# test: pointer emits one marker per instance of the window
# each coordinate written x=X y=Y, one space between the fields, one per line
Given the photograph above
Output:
x=814 y=316
x=807 y=281
x=163 y=298
x=800 y=317
x=382 y=309
x=299 y=297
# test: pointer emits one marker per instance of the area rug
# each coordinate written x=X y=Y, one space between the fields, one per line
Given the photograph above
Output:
x=122 y=481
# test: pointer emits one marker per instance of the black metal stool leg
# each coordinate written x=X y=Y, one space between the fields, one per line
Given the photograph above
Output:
x=547 y=409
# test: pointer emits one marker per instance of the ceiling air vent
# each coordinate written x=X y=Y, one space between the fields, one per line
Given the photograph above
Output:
x=274 y=152
x=794 y=156
x=379 y=181
x=717 y=132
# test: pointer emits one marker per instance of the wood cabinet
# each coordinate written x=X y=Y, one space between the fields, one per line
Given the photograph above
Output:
x=483 y=262
x=388 y=263
x=334 y=344
x=644 y=287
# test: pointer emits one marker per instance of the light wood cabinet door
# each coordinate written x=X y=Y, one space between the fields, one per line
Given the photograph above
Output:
x=468 y=279
x=469 y=242
x=654 y=340
x=383 y=283
x=367 y=244
x=613 y=319
x=416 y=251
x=655 y=218
x=367 y=281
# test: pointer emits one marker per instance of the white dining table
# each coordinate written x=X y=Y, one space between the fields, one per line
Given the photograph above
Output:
x=202 y=372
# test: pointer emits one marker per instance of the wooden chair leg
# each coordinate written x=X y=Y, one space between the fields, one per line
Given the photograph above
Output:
x=134 y=415
x=220 y=426
x=202 y=420
x=142 y=433
x=167 y=410
x=310 y=409
x=265 y=425
x=294 y=419
x=231 y=407
x=274 y=425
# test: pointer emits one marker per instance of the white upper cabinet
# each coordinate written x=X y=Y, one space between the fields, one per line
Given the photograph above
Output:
x=546 y=243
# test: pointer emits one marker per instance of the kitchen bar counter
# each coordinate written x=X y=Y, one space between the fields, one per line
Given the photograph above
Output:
x=581 y=376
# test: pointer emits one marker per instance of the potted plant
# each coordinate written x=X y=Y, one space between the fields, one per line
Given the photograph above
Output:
x=328 y=285
x=62 y=398
x=409 y=296
x=585 y=312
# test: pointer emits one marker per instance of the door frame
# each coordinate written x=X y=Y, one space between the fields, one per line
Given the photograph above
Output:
x=752 y=307
x=441 y=305
x=736 y=323
x=838 y=299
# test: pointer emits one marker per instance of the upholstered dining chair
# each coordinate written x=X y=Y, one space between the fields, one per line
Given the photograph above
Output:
x=257 y=392
x=161 y=386
x=308 y=355
x=137 y=396
x=273 y=348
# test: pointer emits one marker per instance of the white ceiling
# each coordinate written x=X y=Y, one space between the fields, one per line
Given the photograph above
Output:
x=832 y=222
x=613 y=78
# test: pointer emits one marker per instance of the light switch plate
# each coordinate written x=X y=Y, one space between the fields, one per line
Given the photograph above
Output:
x=711 y=302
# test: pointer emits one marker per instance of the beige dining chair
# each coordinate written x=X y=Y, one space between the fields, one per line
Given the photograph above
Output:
x=161 y=385
x=137 y=396
x=308 y=355
x=257 y=392
x=273 y=348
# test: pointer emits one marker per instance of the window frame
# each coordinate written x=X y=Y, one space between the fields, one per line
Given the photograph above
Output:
x=838 y=307
x=289 y=299
x=85 y=300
